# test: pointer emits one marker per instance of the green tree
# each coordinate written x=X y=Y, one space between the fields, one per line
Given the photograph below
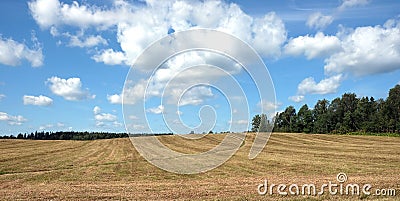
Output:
x=255 y=123
x=393 y=109
x=287 y=120
x=305 y=119
x=321 y=117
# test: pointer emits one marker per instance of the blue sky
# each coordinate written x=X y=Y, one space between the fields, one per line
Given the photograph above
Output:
x=63 y=64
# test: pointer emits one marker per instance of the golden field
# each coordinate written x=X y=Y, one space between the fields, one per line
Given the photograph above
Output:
x=113 y=170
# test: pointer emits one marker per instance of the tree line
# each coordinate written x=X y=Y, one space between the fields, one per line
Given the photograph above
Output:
x=345 y=114
x=66 y=135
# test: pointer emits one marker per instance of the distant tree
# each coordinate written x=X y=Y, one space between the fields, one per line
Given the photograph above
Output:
x=304 y=120
x=393 y=109
x=289 y=117
x=255 y=122
x=320 y=117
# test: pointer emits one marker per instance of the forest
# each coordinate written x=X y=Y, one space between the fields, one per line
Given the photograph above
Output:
x=66 y=135
x=342 y=115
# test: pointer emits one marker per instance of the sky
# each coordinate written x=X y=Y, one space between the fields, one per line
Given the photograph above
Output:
x=63 y=64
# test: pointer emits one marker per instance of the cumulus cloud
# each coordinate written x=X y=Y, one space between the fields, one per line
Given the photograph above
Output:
x=48 y=13
x=361 y=51
x=12 y=120
x=103 y=116
x=105 y=119
x=367 y=50
x=110 y=57
x=176 y=76
x=352 y=3
x=12 y=53
x=296 y=98
x=265 y=33
x=196 y=96
x=318 y=20
x=325 y=86
x=115 y=99
x=156 y=110
x=313 y=46
x=69 y=89
x=37 y=100
x=88 y=41
x=131 y=93
x=96 y=110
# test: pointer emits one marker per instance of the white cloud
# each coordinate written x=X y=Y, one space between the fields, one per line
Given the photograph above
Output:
x=2 y=96
x=319 y=21
x=96 y=110
x=177 y=75
x=54 y=31
x=45 y=12
x=130 y=95
x=296 y=98
x=105 y=117
x=367 y=50
x=268 y=106
x=157 y=110
x=37 y=100
x=89 y=41
x=69 y=89
x=110 y=57
x=325 y=86
x=48 y=13
x=270 y=34
x=115 y=99
x=98 y=116
x=265 y=33
x=12 y=120
x=243 y=121
x=196 y=96
x=12 y=53
x=311 y=47
x=361 y=51
x=352 y=3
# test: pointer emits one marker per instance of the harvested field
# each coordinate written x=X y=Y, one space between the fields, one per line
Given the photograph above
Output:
x=113 y=169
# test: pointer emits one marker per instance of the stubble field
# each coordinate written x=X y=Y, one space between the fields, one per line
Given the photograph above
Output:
x=113 y=169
